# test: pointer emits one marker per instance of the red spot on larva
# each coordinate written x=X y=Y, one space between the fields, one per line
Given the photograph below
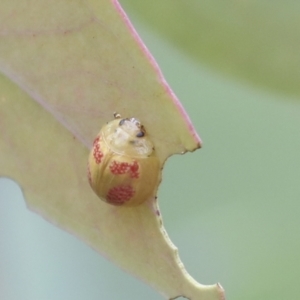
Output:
x=134 y=170
x=97 y=151
x=118 y=195
x=119 y=168
x=97 y=140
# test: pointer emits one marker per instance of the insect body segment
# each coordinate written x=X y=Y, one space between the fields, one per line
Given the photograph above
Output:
x=123 y=166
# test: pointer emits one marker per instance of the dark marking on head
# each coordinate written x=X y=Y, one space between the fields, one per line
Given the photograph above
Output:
x=122 y=122
x=140 y=134
x=132 y=142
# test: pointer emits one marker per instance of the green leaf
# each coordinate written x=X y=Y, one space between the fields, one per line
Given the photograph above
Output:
x=66 y=67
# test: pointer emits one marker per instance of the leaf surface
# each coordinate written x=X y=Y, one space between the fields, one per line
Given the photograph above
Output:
x=65 y=69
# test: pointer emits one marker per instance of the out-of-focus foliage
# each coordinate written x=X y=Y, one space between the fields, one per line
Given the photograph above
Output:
x=241 y=216
x=240 y=222
x=256 y=41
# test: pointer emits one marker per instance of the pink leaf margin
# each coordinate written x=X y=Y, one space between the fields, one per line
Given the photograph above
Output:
x=154 y=64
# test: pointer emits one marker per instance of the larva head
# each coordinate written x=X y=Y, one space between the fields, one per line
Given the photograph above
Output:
x=127 y=136
x=123 y=166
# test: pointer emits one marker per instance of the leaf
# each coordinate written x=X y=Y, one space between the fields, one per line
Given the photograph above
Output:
x=256 y=41
x=66 y=68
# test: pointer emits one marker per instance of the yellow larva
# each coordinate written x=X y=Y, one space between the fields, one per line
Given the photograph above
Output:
x=123 y=166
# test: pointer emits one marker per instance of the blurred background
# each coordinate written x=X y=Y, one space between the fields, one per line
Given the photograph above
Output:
x=232 y=208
